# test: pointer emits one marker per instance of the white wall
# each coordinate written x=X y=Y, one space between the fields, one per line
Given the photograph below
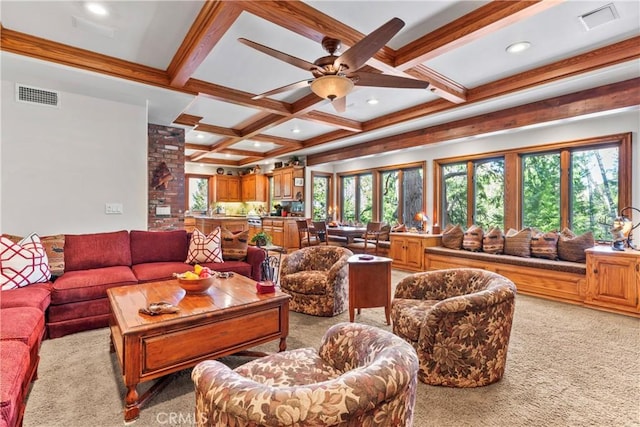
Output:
x=59 y=166
x=622 y=122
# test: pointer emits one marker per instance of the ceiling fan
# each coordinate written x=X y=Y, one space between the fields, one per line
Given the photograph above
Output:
x=335 y=76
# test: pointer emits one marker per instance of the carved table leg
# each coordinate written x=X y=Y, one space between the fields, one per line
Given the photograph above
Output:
x=132 y=408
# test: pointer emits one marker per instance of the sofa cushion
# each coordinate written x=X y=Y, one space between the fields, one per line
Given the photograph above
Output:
x=306 y=282
x=90 y=284
x=13 y=371
x=152 y=271
x=493 y=241
x=24 y=324
x=23 y=263
x=518 y=243
x=544 y=245
x=37 y=295
x=572 y=247
x=87 y=251
x=472 y=239
x=205 y=248
x=234 y=245
x=452 y=237
x=158 y=246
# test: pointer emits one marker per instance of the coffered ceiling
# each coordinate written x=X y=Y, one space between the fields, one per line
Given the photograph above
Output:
x=183 y=59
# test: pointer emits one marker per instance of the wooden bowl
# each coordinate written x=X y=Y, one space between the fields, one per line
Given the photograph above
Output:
x=196 y=286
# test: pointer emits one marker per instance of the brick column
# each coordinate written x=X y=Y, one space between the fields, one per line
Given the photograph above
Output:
x=166 y=177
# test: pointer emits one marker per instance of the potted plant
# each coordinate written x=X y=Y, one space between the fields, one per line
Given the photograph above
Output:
x=294 y=160
x=261 y=239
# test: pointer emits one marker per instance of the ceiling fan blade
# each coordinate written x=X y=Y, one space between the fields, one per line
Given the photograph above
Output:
x=340 y=104
x=386 y=80
x=300 y=63
x=292 y=86
x=358 y=54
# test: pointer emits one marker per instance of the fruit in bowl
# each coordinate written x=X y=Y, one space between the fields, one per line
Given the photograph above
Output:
x=196 y=281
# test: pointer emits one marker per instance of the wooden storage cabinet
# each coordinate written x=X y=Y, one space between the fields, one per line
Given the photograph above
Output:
x=283 y=232
x=207 y=225
x=226 y=188
x=407 y=249
x=254 y=188
x=284 y=187
x=613 y=279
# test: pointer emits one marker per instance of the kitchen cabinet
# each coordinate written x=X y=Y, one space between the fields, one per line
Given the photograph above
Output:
x=208 y=224
x=226 y=188
x=284 y=180
x=407 y=249
x=254 y=188
x=613 y=279
x=283 y=232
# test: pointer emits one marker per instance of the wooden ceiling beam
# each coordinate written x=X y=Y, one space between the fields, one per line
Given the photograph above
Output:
x=331 y=120
x=47 y=50
x=238 y=97
x=187 y=119
x=285 y=142
x=236 y=152
x=216 y=161
x=482 y=21
x=197 y=147
x=624 y=94
x=217 y=130
x=213 y=21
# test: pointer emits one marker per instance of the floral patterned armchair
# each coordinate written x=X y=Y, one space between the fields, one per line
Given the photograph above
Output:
x=459 y=322
x=317 y=278
x=360 y=376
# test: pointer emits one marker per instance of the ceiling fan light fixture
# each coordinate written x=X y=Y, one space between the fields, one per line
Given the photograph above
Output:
x=332 y=86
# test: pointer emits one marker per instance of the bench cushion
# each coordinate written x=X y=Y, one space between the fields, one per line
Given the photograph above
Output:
x=567 y=266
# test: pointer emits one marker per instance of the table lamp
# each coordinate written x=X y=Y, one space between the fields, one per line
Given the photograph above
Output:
x=622 y=230
x=421 y=216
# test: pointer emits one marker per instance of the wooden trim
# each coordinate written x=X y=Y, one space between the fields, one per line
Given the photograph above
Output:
x=604 y=98
x=470 y=27
x=213 y=21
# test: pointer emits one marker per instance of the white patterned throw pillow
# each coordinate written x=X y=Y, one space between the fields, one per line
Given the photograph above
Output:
x=23 y=263
x=205 y=248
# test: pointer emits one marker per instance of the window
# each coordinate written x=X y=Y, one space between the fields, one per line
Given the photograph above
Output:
x=197 y=193
x=357 y=198
x=321 y=208
x=579 y=184
x=402 y=196
x=454 y=194
x=541 y=191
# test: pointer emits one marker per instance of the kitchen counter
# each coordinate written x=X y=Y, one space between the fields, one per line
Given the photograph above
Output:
x=207 y=224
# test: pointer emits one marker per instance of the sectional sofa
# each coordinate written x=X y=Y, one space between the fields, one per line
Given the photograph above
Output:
x=77 y=299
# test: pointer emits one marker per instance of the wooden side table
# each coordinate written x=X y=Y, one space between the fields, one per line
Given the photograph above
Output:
x=369 y=283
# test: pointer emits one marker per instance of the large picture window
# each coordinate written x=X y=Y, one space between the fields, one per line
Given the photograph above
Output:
x=197 y=193
x=322 y=205
x=357 y=198
x=581 y=185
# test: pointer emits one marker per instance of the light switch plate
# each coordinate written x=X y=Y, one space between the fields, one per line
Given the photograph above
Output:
x=113 y=208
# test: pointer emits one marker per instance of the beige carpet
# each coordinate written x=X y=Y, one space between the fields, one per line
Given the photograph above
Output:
x=567 y=366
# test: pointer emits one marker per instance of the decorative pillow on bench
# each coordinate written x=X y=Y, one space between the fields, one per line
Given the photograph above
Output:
x=544 y=245
x=452 y=237
x=518 y=243
x=472 y=240
x=571 y=247
x=493 y=241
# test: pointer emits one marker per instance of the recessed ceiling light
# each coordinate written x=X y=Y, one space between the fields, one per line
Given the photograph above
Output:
x=96 y=8
x=372 y=101
x=518 y=47
x=295 y=130
x=200 y=136
x=256 y=144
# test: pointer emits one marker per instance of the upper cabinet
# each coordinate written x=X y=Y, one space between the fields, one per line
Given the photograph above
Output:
x=288 y=183
x=254 y=188
x=226 y=188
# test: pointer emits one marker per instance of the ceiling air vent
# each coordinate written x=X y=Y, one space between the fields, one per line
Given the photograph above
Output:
x=34 y=95
x=600 y=16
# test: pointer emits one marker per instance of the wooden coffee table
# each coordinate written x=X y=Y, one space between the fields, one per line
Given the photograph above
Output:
x=228 y=318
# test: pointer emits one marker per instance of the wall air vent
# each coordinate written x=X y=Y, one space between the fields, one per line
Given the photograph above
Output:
x=600 y=16
x=34 y=95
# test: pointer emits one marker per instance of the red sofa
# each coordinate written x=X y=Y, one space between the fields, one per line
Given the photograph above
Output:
x=77 y=300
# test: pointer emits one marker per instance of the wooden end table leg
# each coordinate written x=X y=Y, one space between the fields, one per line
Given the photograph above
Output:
x=132 y=407
x=283 y=344
x=386 y=313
